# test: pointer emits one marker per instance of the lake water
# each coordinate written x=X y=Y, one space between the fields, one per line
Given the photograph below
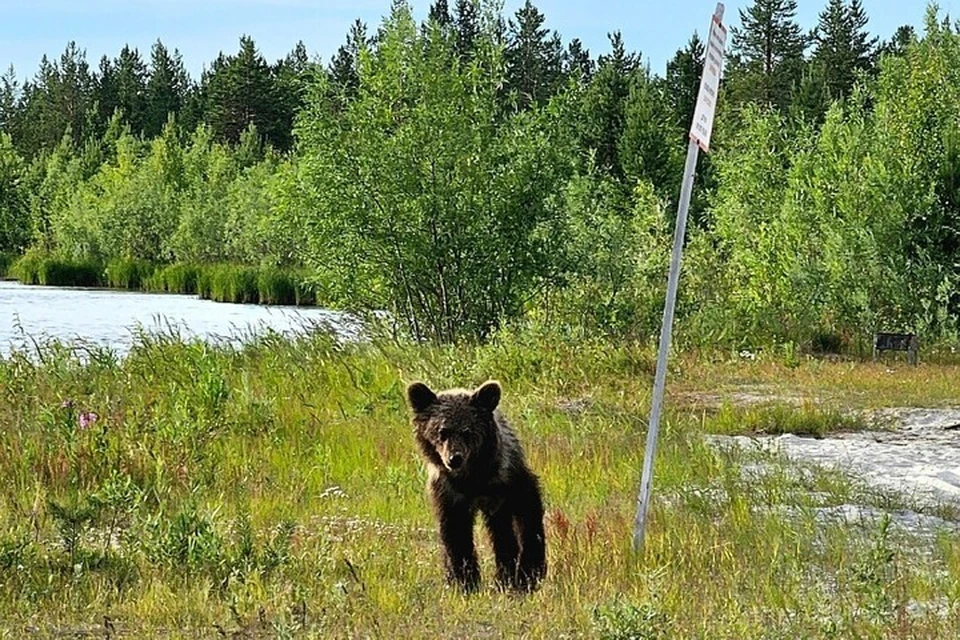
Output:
x=111 y=318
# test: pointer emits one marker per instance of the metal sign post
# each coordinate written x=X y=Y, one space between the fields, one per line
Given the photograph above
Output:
x=700 y=131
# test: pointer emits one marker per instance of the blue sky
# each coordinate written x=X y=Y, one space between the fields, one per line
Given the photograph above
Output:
x=202 y=28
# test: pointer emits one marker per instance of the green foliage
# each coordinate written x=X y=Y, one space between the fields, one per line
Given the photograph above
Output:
x=545 y=196
x=26 y=268
x=617 y=258
x=67 y=273
x=625 y=621
x=877 y=577
x=443 y=216
x=189 y=542
x=6 y=260
x=14 y=198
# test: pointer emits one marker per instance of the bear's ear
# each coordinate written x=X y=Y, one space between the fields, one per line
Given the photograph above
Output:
x=420 y=397
x=487 y=396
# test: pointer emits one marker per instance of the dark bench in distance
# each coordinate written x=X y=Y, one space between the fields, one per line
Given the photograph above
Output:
x=896 y=342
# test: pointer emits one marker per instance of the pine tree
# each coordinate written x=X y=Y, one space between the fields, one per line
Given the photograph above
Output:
x=899 y=43
x=343 y=67
x=44 y=129
x=440 y=13
x=768 y=48
x=130 y=74
x=683 y=81
x=166 y=88
x=467 y=23
x=73 y=90
x=533 y=57
x=843 y=48
x=604 y=103
x=292 y=75
x=577 y=62
x=105 y=90
x=9 y=101
x=241 y=91
x=58 y=100
x=649 y=142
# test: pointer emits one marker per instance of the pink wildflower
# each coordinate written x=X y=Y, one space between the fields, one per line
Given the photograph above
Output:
x=87 y=418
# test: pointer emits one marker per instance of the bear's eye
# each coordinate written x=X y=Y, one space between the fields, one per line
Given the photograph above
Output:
x=445 y=433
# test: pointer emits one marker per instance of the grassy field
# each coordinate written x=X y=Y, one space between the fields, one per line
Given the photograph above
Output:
x=275 y=491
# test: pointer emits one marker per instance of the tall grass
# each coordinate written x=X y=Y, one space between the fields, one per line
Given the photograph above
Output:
x=128 y=273
x=218 y=282
x=175 y=278
x=275 y=490
x=276 y=286
x=232 y=283
x=35 y=267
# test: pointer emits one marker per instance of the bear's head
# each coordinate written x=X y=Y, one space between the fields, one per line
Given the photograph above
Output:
x=455 y=428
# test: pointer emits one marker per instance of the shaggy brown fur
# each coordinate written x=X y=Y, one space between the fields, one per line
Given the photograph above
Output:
x=475 y=463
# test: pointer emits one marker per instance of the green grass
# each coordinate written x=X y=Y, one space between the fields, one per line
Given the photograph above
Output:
x=275 y=490
x=128 y=273
x=774 y=418
x=233 y=283
x=276 y=286
x=39 y=268
x=175 y=278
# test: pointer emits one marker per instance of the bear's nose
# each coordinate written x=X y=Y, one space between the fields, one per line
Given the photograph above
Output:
x=455 y=461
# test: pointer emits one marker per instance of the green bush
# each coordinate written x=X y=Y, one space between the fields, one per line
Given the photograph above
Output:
x=26 y=268
x=66 y=273
x=625 y=621
x=306 y=291
x=6 y=260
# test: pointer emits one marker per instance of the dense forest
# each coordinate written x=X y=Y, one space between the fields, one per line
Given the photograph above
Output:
x=477 y=169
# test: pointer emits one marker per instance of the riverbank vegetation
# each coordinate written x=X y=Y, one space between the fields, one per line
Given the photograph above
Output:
x=264 y=284
x=274 y=490
x=827 y=210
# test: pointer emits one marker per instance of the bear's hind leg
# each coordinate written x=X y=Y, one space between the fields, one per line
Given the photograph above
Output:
x=533 y=541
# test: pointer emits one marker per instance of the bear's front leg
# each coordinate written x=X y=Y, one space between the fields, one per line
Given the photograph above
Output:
x=456 y=532
x=505 y=547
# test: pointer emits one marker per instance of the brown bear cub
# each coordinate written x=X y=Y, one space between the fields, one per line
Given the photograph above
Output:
x=475 y=463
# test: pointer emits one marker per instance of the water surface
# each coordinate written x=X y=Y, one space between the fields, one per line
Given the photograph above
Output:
x=111 y=318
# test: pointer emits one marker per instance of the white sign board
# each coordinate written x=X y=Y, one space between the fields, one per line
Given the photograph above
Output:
x=709 y=83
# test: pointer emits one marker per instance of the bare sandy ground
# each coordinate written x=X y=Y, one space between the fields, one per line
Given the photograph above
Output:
x=919 y=456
